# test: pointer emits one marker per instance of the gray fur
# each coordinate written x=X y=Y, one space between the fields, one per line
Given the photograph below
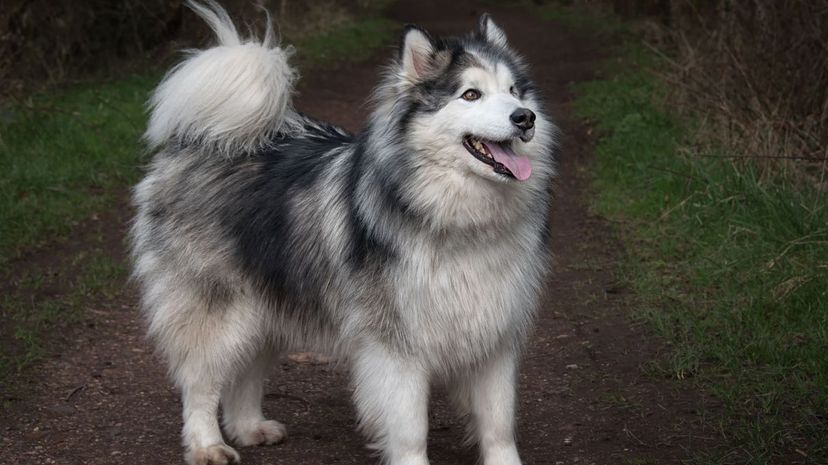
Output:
x=383 y=248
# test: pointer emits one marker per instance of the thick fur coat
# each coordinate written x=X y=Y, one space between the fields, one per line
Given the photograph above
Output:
x=415 y=249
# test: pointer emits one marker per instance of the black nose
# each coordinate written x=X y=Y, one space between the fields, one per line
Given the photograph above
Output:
x=523 y=118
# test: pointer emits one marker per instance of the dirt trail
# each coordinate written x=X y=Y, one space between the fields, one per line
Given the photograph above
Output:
x=584 y=399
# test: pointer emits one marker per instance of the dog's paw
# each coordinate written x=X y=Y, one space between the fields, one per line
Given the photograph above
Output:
x=265 y=432
x=501 y=455
x=218 y=454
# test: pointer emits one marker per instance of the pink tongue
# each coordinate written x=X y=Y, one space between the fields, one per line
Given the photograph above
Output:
x=519 y=166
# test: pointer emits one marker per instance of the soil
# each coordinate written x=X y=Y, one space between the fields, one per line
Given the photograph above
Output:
x=585 y=397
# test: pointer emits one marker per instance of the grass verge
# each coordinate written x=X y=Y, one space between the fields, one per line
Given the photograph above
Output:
x=63 y=154
x=67 y=156
x=582 y=18
x=47 y=298
x=350 y=42
x=732 y=270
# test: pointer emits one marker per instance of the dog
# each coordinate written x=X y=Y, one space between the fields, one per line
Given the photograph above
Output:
x=415 y=250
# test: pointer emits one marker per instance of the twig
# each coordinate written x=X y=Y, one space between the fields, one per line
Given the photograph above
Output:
x=279 y=395
x=781 y=157
x=689 y=177
x=667 y=213
x=74 y=391
x=630 y=434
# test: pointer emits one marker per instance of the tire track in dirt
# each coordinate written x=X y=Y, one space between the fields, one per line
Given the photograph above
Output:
x=583 y=399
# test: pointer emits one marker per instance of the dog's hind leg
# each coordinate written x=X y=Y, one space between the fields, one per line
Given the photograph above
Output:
x=241 y=405
x=206 y=348
x=391 y=396
x=201 y=435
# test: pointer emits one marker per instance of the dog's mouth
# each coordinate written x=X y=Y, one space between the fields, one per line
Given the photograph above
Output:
x=499 y=156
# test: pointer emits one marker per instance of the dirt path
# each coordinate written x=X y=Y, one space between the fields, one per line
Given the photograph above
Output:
x=584 y=399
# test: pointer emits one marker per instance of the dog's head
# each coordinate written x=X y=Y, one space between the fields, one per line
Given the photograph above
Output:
x=466 y=114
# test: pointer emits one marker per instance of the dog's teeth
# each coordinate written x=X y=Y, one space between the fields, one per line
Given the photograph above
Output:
x=480 y=147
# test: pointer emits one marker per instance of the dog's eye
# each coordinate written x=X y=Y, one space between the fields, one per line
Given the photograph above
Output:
x=471 y=95
x=513 y=91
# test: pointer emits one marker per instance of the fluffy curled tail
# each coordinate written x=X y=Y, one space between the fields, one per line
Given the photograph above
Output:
x=234 y=96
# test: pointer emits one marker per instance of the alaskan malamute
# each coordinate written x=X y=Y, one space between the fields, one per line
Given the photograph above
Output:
x=414 y=250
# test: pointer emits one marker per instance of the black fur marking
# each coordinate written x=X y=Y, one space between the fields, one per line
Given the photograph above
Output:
x=412 y=108
x=266 y=227
x=478 y=43
x=158 y=212
x=366 y=243
x=432 y=94
x=215 y=293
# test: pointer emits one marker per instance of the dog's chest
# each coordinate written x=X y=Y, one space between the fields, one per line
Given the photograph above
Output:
x=460 y=304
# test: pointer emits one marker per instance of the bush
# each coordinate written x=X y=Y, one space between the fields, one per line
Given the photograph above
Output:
x=754 y=72
x=43 y=42
x=48 y=41
x=757 y=72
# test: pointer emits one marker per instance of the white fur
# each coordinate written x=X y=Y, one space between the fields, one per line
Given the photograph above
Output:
x=391 y=396
x=493 y=32
x=235 y=95
x=417 y=48
x=454 y=306
x=458 y=187
x=487 y=395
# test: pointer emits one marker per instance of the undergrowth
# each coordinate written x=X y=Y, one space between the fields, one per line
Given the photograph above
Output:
x=729 y=265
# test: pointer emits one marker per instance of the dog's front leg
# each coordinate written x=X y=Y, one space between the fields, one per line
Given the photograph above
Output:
x=391 y=395
x=487 y=395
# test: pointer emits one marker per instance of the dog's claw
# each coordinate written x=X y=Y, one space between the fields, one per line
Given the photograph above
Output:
x=218 y=454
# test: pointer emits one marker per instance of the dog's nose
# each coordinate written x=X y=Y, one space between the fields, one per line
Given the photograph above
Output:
x=523 y=118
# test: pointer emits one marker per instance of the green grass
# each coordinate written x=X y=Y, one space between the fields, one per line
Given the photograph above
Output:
x=68 y=154
x=28 y=314
x=580 y=18
x=61 y=156
x=351 y=42
x=731 y=270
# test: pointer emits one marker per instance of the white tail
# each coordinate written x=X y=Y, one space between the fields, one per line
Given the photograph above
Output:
x=234 y=96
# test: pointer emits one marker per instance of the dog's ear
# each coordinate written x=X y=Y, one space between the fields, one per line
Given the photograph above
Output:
x=491 y=32
x=416 y=53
